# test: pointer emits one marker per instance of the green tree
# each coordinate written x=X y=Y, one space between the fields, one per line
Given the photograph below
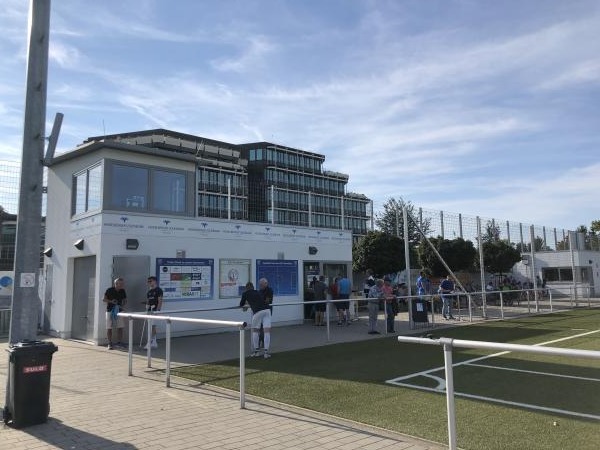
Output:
x=390 y=220
x=499 y=256
x=458 y=253
x=381 y=252
x=538 y=245
x=595 y=226
x=491 y=232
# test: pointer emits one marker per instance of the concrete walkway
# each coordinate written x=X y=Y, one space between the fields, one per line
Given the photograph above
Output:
x=95 y=405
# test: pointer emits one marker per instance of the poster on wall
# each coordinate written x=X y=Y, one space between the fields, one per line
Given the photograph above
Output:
x=233 y=276
x=185 y=278
x=281 y=274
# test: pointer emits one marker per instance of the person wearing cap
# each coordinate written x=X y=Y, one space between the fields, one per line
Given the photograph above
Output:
x=376 y=294
x=115 y=299
x=154 y=299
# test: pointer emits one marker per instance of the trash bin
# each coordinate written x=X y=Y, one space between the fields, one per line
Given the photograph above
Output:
x=419 y=311
x=28 y=388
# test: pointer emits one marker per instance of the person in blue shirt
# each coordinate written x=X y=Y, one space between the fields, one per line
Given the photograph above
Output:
x=446 y=288
x=423 y=284
x=344 y=289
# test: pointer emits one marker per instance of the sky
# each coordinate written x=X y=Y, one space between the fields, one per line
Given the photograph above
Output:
x=478 y=107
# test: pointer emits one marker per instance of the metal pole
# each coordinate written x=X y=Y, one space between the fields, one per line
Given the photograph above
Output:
x=149 y=342
x=481 y=269
x=168 y=352
x=442 y=222
x=572 y=237
x=407 y=264
x=130 y=349
x=450 y=394
x=25 y=299
x=343 y=227
x=229 y=198
x=533 y=274
x=242 y=369
x=272 y=204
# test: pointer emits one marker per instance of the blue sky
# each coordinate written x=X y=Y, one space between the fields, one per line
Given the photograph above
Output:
x=473 y=106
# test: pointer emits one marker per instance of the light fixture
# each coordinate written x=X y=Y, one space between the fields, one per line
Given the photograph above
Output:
x=48 y=252
x=132 y=244
x=312 y=250
x=78 y=244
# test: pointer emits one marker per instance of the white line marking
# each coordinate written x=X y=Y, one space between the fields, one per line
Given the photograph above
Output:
x=439 y=389
x=506 y=402
x=481 y=358
x=535 y=372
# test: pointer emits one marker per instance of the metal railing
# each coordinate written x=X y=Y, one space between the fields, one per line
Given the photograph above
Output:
x=448 y=344
x=168 y=321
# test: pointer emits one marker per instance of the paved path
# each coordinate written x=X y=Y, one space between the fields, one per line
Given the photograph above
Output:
x=95 y=405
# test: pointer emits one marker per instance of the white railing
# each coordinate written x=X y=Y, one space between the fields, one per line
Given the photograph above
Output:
x=448 y=344
x=168 y=320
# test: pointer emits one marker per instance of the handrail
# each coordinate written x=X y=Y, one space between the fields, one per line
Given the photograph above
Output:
x=168 y=320
x=449 y=343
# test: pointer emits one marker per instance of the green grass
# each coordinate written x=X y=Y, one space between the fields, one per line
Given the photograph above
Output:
x=348 y=380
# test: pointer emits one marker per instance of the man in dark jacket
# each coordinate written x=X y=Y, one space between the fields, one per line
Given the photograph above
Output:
x=261 y=317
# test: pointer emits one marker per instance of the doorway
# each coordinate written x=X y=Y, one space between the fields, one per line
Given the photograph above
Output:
x=84 y=298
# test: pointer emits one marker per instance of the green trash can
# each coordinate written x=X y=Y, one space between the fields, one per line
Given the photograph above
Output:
x=28 y=388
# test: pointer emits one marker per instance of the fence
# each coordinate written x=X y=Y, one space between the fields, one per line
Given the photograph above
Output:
x=168 y=320
x=448 y=344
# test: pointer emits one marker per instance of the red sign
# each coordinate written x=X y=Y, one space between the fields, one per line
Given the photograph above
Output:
x=35 y=369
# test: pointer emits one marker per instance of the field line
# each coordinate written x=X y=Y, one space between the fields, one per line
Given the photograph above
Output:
x=535 y=372
x=482 y=358
x=565 y=412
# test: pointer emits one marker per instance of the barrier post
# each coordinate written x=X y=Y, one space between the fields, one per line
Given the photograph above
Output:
x=242 y=369
x=447 y=343
x=130 y=345
x=168 y=352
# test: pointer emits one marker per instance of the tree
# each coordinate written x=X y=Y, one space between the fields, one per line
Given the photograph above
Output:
x=595 y=228
x=390 y=220
x=491 y=233
x=457 y=253
x=499 y=256
x=538 y=245
x=381 y=252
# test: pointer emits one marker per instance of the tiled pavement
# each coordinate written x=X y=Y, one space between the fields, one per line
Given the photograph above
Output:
x=95 y=405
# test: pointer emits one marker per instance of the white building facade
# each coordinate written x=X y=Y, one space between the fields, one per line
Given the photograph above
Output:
x=120 y=210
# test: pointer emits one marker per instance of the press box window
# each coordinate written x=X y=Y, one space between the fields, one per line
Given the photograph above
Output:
x=87 y=190
x=146 y=188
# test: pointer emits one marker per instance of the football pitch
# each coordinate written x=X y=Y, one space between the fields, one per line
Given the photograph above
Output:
x=503 y=399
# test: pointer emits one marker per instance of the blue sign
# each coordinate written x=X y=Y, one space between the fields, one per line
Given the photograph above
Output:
x=282 y=275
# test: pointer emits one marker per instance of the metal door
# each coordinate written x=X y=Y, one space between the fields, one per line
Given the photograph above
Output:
x=134 y=270
x=84 y=298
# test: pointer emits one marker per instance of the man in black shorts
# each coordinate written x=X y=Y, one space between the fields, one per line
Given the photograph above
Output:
x=115 y=299
x=154 y=298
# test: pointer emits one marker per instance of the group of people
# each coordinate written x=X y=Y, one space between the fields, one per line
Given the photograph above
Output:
x=115 y=299
x=259 y=301
x=339 y=290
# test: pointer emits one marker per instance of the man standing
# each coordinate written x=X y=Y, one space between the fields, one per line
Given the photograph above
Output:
x=423 y=284
x=154 y=298
x=344 y=290
x=115 y=299
x=320 y=289
x=376 y=294
x=446 y=288
x=261 y=318
x=267 y=294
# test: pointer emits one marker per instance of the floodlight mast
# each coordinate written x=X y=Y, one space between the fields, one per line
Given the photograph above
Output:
x=25 y=298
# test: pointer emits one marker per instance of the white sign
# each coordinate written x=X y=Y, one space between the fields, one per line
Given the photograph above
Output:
x=27 y=280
